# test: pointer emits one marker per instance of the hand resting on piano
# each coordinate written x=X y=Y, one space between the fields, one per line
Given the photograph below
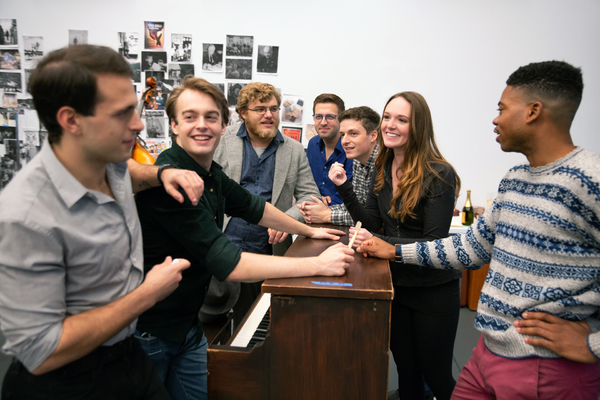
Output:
x=256 y=267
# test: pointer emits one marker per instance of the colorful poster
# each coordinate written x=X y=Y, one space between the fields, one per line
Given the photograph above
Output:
x=294 y=133
x=154 y=35
x=10 y=59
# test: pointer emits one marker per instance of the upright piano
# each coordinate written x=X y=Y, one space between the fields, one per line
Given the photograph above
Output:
x=328 y=337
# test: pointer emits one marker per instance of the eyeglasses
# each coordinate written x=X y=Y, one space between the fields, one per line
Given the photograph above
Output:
x=328 y=117
x=263 y=110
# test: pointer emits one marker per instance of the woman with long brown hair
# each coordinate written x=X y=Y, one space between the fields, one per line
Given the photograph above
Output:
x=412 y=199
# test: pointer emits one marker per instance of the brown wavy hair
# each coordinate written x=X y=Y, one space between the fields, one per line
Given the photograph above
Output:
x=421 y=154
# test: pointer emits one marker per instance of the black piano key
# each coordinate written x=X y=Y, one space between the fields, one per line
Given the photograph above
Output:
x=261 y=331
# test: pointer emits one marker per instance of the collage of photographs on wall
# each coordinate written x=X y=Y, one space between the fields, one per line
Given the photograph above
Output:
x=166 y=58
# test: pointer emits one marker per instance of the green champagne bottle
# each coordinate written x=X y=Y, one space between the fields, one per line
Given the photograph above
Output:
x=467 y=212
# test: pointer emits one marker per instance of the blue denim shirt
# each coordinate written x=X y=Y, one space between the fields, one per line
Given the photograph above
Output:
x=257 y=177
x=320 y=166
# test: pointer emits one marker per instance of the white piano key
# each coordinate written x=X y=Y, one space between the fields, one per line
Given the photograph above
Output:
x=247 y=330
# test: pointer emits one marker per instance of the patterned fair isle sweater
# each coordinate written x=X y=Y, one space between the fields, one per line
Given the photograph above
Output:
x=541 y=238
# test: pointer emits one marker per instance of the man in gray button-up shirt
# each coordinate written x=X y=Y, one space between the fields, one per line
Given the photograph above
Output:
x=71 y=262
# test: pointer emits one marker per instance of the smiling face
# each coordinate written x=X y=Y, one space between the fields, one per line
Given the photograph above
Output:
x=395 y=124
x=510 y=122
x=109 y=134
x=357 y=142
x=266 y=125
x=199 y=125
x=327 y=130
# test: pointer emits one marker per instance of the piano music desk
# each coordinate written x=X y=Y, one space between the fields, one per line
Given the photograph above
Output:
x=324 y=341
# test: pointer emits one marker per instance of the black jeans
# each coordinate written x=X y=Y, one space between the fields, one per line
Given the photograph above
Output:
x=121 y=371
x=424 y=323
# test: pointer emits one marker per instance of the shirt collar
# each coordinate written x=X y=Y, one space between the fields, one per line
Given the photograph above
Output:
x=183 y=160
x=371 y=161
x=338 y=147
x=68 y=187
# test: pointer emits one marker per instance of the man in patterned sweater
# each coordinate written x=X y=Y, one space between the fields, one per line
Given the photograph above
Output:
x=539 y=307
x=358 y=127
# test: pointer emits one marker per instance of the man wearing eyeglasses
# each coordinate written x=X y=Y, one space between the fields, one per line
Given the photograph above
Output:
x=326 y=149
x=255 y=154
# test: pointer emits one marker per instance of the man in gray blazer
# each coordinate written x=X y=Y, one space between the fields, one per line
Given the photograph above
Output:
x=255 y=154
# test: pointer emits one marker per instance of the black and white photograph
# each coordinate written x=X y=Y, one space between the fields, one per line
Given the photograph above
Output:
x=10 y=59
x=175 y=73
x=25 y=104
x=9 y=162
x=233 y=91
x=238 y=68
x=234 y=117
x=33 y=50
x=9 y=100
x=268 y=57
x=27 y=74
x=221 y=87
x=155 y=124
x=239 y=46
x=154 y=35
x=167 y=86
x=77 y=37
x=129 y=45
x=154 y=61
x=10 y=81
x=136 y=67
x=8 y=132
x=181 y=47
x=157 y=75
x=32 y=137
x=187 y=69
x=8 y=32
x=212 y=57
x=8 y=118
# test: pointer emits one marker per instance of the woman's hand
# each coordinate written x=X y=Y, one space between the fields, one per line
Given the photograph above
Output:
x=362 y=235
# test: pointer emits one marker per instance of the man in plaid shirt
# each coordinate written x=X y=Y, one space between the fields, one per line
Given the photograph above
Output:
x=358 y=127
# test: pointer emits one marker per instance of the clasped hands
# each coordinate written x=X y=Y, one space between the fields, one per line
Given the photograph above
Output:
x=317 y=211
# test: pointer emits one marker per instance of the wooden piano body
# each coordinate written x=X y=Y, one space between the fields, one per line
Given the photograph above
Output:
x=325 y=341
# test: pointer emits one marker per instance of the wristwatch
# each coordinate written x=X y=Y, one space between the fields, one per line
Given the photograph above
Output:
x=160 y=171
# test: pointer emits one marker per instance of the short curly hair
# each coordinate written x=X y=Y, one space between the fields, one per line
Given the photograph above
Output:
x=255 y=91
x=551 y=81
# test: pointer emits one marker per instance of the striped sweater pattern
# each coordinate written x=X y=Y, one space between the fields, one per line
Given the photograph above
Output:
x=541 y=238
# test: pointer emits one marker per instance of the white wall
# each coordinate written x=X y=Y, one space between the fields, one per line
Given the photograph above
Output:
x=458 y=54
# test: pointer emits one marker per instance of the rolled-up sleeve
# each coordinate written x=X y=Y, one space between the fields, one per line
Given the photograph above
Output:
x=32 y=291
x=197 y=230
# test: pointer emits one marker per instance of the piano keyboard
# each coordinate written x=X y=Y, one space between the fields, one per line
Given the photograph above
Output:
x=255 y=328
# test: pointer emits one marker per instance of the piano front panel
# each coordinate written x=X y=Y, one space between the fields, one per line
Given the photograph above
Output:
x=238 y=373
x=336 y=348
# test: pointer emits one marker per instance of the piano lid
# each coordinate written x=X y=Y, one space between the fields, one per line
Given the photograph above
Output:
x=366 y=278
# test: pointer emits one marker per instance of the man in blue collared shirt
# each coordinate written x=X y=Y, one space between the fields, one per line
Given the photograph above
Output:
x=326 y=149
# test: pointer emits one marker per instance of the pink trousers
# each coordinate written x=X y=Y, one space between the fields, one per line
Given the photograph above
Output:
x=488 y=376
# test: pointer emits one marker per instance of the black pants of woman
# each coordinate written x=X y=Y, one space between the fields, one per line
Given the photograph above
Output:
x=423 y=329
